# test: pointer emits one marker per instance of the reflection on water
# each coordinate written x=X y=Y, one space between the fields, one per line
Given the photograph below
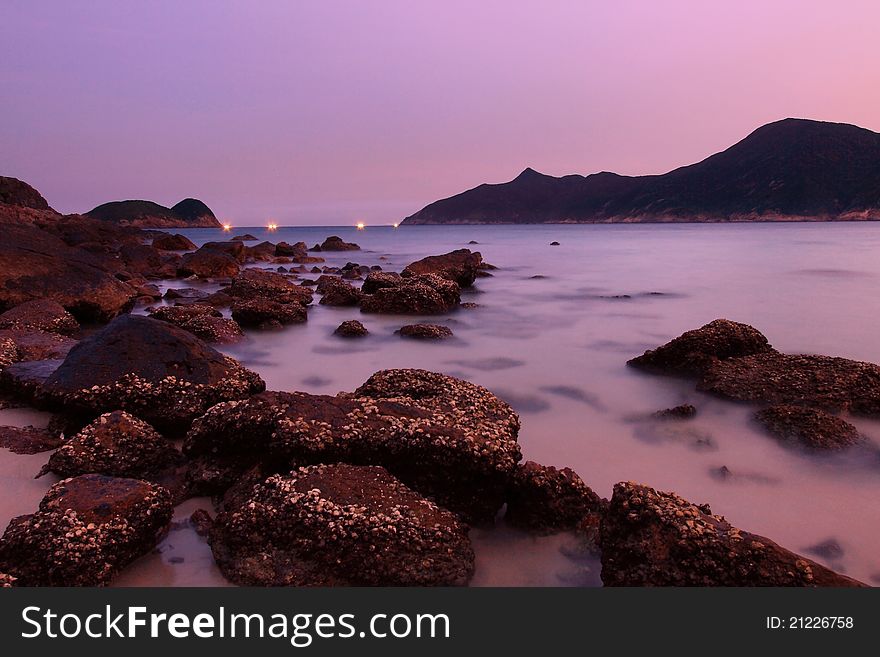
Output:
x=556 y=349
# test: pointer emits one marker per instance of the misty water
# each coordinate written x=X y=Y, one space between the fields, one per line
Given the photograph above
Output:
x=553 y=331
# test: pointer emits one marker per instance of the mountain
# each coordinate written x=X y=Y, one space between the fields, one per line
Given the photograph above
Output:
x=794 y=169
x=189 y=213
x=18 y=193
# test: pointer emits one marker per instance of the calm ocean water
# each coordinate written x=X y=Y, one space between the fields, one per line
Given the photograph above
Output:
x=555 y=347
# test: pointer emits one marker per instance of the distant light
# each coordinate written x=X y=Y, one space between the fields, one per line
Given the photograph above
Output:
x=227 y=227
x=394 y=225
x=361 y=225
x=272 y=226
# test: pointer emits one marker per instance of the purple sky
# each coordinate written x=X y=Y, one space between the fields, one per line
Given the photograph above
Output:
x=333 y=112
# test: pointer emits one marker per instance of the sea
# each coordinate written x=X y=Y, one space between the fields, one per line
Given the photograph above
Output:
x=551 y=334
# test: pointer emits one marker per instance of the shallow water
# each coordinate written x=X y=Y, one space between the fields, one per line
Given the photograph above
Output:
x=556 y=347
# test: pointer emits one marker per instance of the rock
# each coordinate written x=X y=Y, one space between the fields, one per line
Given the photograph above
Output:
x=554 y=243
x=201 y=522
x=340 y=293
x=378 y=280
x=6 y=581
x=824 y=382
x=208 y=263
x=652 y=538
x=460 y=266
x=40 y=315
x=162 y=374
x=546 y=500
x=298 y=250
x=691 y=353
x=448 y=439
x=186 y=294
x=342 y=525
x=17 y=192
x=247 y=237
x=29 y=440
x=334 y=243
x=25 y=380
x=808 y=427
x=473 y=242
x=681 y=412
x=265 y=314
x=420 y=295
x=425 y=331
x=174 y=242
x=18 y=345
x=144 y=260
x=37 y=265
x=269 y=285
x=86 y=530
x=116 y=444
x=202 y=321
x=351 y=329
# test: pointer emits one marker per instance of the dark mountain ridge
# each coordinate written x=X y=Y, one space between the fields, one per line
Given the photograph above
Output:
x=189 y=213
x=794 y=169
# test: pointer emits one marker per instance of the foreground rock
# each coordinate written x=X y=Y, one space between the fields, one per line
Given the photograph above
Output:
x=29 y=440
x=419 y=295
x=116 y=444
x=808 y=427
x=40 y=315
x=335 y=243
x=202 y=321
x=351 y=329
x=691 y=353
x=425 y=332
x=546 y=500
x=448 y=439
x=831 y=384
x=85 y=531
x=652 y=538
x=174 y=242
x=158 y=372
x=460 y=266
x=265 y=314
x=340 y=525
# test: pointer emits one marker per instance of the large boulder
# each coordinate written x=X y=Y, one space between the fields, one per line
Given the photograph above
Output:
x=338 y=292
x=267 y=314
x=157 y=371
x=652 y=538
x=808 y=427
x=449 y=439
x=269 y=285
x=340 y=525
x=39 y=315
x=174 y=242
x=824 y=382
x=376 y=280
x=86 y=530
x=116 y=444
x=419 y=295
x=460 y=266
x=37 y=265
x=202 y=320
x=209 y=263
x=691 y=353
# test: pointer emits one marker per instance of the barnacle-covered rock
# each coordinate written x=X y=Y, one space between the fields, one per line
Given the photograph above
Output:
x=808 y=427
x=351 y=329
x=17 y=345
x=158 y=372
x=448 y=439
x=338 y=292
x=429 y=294
x=340 y=525
x=460 y=266
x=425 y=331
x=652 y=538
x=86 y=529
x=268 y=314
x=40 y=315
x=268 y=285
x=202 y=320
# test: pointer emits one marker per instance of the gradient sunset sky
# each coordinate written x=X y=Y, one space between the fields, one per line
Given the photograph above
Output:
x=330 y=112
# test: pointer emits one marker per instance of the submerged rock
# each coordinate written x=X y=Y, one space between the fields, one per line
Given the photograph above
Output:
x=808 y=427
x=202 y=321
x=157 y=371
x=652 y=538
x=351 y=329
x=460 y=266
x=425 y=331
x=86 y=530
x=39 y=315
x=340 y=525
x=691 y=353
x=546 y=500
x=419 y=295
x=680 y=412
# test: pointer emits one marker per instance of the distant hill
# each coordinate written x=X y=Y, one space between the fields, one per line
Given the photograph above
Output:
x=794 y=169
x=189 y=213
x=18 y=193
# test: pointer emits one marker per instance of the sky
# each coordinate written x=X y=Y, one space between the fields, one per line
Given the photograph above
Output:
x=337 y=111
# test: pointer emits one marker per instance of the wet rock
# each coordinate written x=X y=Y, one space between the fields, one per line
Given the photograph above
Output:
x=40 y=315
x=808 y=427
x=86 y=530
x=25 y=381
x=351 y=329
x=209 y=263
x=377 y=280
x=680 y=412
x=298 y=250
x=691 y=353
x=554 y=243
x=18 y=345
x=546 y=500
x=419 y=295
x=446 y=438
x=145 y=260
x=824 y=382
x=460 y=266
x=339 y=293
x=157 y=371
x=340 y=525
x=37 y=265
x=269 y=285
x=335 y=243
x=425 y=331
x=247 y=237
x=265 y=314
x=202 y=321
x=652 y=538
x=186 y=294
x=174 y=242
x=116 y=444
x=29 y=440
x=235 y=250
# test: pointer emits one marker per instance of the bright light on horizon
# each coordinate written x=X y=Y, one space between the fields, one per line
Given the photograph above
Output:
x=394 y=225
x=272 y=227
x=361 y=225
x=227 y=228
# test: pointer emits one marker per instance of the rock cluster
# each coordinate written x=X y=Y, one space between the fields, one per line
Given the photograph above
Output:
x=202 y=320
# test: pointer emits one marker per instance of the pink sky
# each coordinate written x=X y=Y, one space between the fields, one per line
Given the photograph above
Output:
x=333 y=112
